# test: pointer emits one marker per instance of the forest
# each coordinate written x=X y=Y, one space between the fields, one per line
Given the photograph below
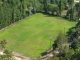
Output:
x=15 y=10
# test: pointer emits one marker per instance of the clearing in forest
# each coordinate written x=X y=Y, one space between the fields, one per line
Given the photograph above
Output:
x=31 y=36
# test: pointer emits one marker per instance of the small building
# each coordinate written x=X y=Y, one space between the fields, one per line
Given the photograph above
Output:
x=1 y=53
x=76 y=0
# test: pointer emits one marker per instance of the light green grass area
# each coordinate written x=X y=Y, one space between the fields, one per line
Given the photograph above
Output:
x=31 y=36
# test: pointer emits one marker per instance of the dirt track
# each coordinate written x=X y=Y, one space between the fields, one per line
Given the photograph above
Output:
x=20 y=56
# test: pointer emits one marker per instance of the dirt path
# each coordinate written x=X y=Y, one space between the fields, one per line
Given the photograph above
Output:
x=48 y=55
x=19 y=56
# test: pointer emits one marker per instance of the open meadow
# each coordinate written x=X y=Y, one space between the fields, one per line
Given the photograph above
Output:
x=31 y=36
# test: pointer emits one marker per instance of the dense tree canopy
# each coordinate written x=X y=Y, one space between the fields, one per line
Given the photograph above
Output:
x=15 y=10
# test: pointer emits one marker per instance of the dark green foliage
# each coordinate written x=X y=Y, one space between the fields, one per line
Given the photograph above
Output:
x=53 y=8
x=7 y=54
x=15 y=10
x=74 y=44
x=3 y=44
x=61 y=39
x=73 y=12
x=61 y=7
x=45 y=2
x=76 y=56
x=74 y=37
x=9 y=12
x=71 y=51
x=70 y=2
x=70 y=14
x=77 y=5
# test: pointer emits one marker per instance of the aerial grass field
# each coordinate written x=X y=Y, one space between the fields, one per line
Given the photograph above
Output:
x=31 y=36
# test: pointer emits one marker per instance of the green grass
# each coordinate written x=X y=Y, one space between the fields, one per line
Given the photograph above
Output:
x=31 y=36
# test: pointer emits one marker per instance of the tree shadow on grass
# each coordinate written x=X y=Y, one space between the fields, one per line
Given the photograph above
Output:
x=64 y=17
x=44 y=53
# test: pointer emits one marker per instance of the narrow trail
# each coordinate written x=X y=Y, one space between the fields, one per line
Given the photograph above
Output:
x=19 y=56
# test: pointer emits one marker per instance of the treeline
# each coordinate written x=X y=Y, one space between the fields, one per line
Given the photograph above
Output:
x=15 y=10
x=5 y=54
x=67 y=45
x=11 y=11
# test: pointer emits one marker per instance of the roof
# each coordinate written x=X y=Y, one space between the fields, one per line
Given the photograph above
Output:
x=76 y=0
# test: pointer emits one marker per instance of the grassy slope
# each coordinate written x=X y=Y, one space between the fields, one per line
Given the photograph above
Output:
x=32 y=35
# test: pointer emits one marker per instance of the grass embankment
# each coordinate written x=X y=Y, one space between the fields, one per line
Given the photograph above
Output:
x=31 y=36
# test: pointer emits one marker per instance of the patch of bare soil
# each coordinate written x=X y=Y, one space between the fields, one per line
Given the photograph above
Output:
x=19 y=56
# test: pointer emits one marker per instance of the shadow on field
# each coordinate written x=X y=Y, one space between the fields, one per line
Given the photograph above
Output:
x=44 y=53
x=58 y=17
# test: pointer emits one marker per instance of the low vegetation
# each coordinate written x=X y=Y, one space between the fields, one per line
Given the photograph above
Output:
x=32 y=35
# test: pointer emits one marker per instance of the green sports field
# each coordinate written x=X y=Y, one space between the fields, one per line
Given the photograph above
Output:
x=31 y=36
